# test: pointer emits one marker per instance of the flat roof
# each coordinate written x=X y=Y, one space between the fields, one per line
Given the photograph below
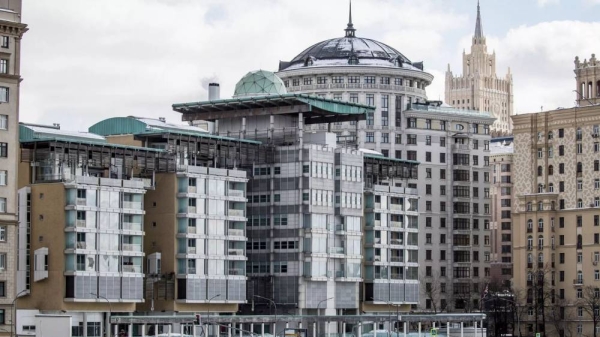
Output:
x=319 y=109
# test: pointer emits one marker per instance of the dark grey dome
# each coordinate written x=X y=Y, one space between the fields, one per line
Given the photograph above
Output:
x=343 y=47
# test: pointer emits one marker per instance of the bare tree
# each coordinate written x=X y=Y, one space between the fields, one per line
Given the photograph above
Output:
x=590 y=302
x=561 y=315
x=432 y=289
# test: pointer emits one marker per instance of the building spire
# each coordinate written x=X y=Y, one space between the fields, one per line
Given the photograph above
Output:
x=350 y=28
x=478 y=28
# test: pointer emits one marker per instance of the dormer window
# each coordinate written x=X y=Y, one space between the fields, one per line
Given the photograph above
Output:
x=308 y=62
x=353 y=60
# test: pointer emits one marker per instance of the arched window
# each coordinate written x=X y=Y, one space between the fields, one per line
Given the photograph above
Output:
x=529 y=224
x=541 y=258
x=590 y=90
x=540 y=224
x=579 y=277
x=550 y=152
x=579 y=241
x=579 y=134
x=540 y=241
x=529 y=242
x=552 y=241
x=540 y=188
x=540 y=170
x=579 y=167
x=550 y=170
x=550 y=135
x=582 y=91
x=353 y=60
x=540 y=206
x=551 y=187
x=459 y=127
x=579 y=203
x=529 y=207
x=529 y=258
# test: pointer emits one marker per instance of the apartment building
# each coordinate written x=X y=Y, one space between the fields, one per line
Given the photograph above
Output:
x=501 y=157
x=306 y=206
x=11 y=33
x=453 y=147
x=556 y=233
x=195 y=222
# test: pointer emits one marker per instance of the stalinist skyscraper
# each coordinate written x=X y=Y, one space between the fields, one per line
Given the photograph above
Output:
x=478 y=88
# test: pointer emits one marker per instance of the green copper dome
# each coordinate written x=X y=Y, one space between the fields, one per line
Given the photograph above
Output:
x=259 y=83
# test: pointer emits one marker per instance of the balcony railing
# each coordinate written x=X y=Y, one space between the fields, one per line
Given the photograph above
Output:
x=191 y=271
x=132 y=204
x=397 y=276
x=191 y=250
x=336 y=250
x=381 y=275
x=396 y=224
x=191 y=229
x=236 y=212
x=396 y=242
x=81 y=201
x=236 y=193
x=235 y=251
x=132 y=226
x=340 y=228
x=396 y=259
x=236 y=271
x=131 y=269
x=395 y=207
x=132 y=247
x=80 y=223
x=81 y=245
x=235 y=232
x=340 y=273
x=578 y=282
x=192 y=189
x=191 y=209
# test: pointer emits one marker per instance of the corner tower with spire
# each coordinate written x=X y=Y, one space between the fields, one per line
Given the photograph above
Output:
x=350 y=30
x=479 y=88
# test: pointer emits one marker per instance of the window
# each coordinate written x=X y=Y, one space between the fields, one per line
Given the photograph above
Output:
x=370 y=137
x=428 y=157
x=5 y=42
x=442 y=173
x=561 y=168
x=428 y=173
x=428 y=124
x=443 y=125
x=369 y=79
x=561 y=133
x=307 y=81
x=353 y=79
x=3 y=122
x=442 y=158
x=411 y=139
x=3 y=150
x=427 y=140
x=411 y=155
x=385 y=137
x=561 y=150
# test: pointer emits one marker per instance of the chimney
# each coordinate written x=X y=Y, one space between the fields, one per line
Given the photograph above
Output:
x=214 y=91
x=162 y=119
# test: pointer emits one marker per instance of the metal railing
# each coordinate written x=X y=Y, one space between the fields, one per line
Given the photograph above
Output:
x=336 y=250
x=132 y=226
x=235 y=232
x=236 y=271
x=132 y=204
x=235 y=251
x=236 y=212
x=132 y=247
x=81 y=201
x=131 y=269
x=236 y=193
x=80 y=223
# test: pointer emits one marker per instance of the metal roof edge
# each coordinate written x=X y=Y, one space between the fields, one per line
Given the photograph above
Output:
x=373 y=156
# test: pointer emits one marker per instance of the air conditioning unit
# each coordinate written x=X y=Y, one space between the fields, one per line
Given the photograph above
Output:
x=377 y=258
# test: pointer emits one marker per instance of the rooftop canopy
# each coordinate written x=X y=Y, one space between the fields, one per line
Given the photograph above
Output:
x=141 y=126
x=315 y=109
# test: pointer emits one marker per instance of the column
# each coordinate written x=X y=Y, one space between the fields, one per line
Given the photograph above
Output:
x=262 y=329
x=144 y=330
x=155 y=330
x=481 y=325
x=229 y=330
x=343 y=329
x=475 y=329
x=360 y=326
x=314 y=329
x=169 y=330
x=252 y=327
x=461 y=329
x=448 y=329
x=116 y=330
x=84 y=324
x=241 y=327
x=404 y=328
x=419 y=329
x=218 y=327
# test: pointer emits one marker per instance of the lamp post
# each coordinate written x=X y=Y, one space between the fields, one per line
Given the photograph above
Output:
x=318 y=312
x=109 y=308
x=208 y=310
x=390 y=315
x=14 y=312
x=275 y=306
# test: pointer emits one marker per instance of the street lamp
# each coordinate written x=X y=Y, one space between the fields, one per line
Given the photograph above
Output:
x=390 y=314
x=318 y=312
x=109 y=308
x=14 y=312
x=274 y=305
x=210 y=299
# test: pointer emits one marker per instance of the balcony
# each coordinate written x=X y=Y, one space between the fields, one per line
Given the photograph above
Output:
x=132 y=247
x=529 y=265
x=578 y=282
x=80 y=223
x=396 y=242
x=340 y=274
x=191 y=230
x=81 y=202
x=191 y=250
x=235 y=251
x=396 y=224
x=235 y=232
x=460 y=147
x=396 y=207
x=192 y=189
x=131 y=269
x=397 y=276
x=376 y=258
x=340 y=228
x=236 y=193
x=132 y=226
x=381 y=275
x=396 y=259
x=191 y=271
x=336 y=250
x=81 y=245
x=191 y=209
x=236 y=212
x=132 y=204
x=236 y=271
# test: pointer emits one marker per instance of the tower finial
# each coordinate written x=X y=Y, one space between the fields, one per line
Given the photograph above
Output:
x=478 y=28
x=350 y=28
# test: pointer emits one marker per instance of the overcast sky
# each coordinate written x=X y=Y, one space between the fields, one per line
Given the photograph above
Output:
x=86 y=60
